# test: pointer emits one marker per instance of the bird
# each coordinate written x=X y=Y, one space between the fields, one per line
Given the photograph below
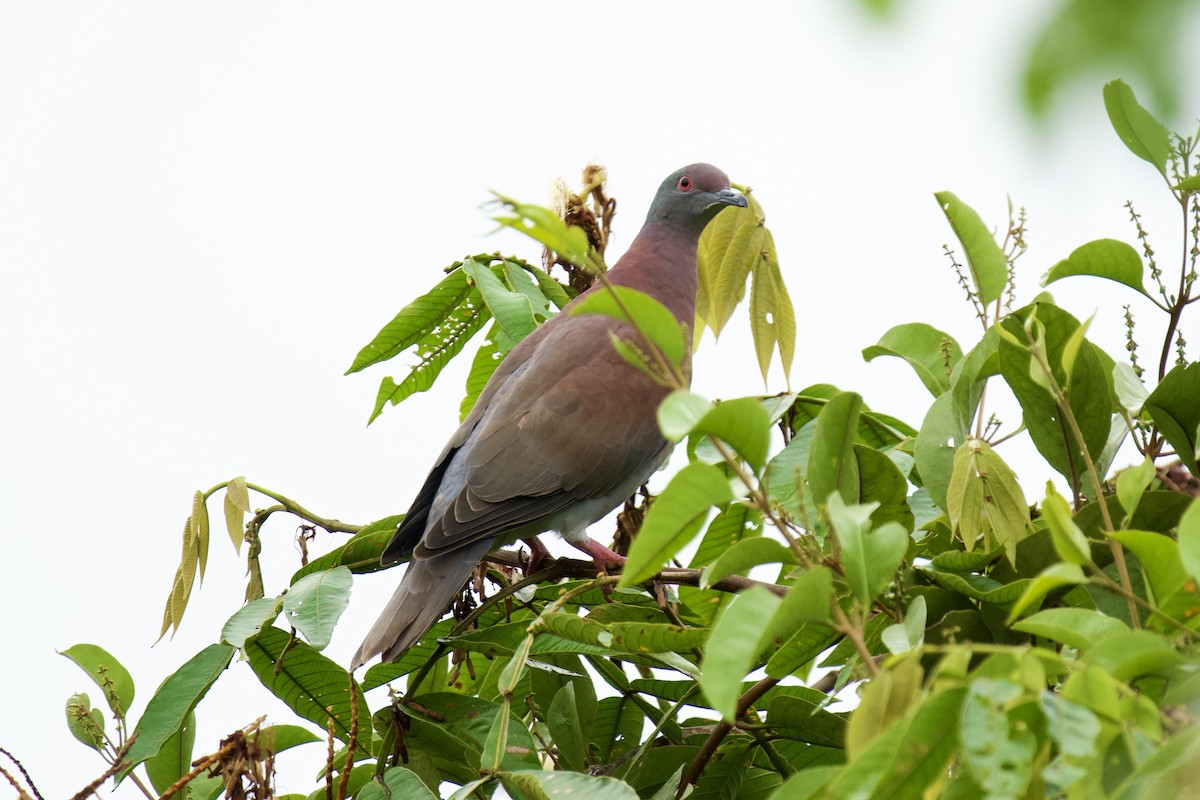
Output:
x=564 y=431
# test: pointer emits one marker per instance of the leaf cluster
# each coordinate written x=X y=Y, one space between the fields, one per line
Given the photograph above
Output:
x=869 y=609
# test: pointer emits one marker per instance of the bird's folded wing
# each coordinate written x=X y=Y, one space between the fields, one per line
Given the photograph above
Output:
x=573 y=424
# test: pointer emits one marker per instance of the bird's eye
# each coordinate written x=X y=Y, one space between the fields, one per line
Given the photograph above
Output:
x=685 y=184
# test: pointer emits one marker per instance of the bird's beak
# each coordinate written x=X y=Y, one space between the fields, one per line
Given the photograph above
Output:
x=732 y=197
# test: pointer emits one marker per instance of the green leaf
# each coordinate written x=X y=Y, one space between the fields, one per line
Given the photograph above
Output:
x=1145 y=136
x=997 y=746
x=483 y=365
x=85 y=723
x=175 y=699
x=909 y=633
x=984 y=497
x=964 y=562
x=674 y=519
x=249 y=620
x=1074 y=728
x=1069 y=542
x=1071 y=350
x=885 y=700
x=978 y=587
x=1191 y=184
x=174 y=759
x=880 y=481
x=236 y=505
x=1189 y=539
x=278 y=738
x=680 y=412
x=744 y=555
x=1127 y=656
x=1132 y=483
x=1075 y=627
x=617 y=728
x=548 y=228
x=908 y=755
x=930 y=352
x=562 y=718
x=870 y=558
x=989 y=269
x=733 y=647
x=360 y=553
x=651 y=317
x=804 y=645
x=1130 y=392
x=312 y=685
x=1103 y=258
x=1053 y=577
x=1089 y=391
x=314 y=603
x=971 y=375
x=735 y=523
x=1161 y=559
x=434 y=351
x=803 y=718
x=832 y=465
x=1173 y=407
x=400 y=783
x=807 y=600
x=941 y=436
x=497 y=736
x=785 y=475
x=743 y=424
x=513 y=311
x=415 y=321
x=469 y=721
x=108 y=673
x=618 y=637
x=536 y=784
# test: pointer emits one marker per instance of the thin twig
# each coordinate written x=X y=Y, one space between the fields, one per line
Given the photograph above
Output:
x=720 y=731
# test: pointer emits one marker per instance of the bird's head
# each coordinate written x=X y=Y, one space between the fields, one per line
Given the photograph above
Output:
x=690 y=197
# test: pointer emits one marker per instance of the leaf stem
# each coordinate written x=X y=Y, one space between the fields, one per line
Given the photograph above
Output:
x=1064 y=408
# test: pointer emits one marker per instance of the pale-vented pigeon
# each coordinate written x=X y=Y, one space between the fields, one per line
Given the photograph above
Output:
x=563 y=432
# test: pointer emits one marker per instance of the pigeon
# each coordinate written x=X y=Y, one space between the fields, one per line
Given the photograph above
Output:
x=564 y=431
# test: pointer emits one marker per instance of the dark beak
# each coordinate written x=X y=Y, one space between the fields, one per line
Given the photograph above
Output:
x=732 y=198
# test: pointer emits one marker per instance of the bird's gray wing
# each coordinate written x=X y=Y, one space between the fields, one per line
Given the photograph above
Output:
x=575 y=423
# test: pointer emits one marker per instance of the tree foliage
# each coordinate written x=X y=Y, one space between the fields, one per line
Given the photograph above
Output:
x=915 y=627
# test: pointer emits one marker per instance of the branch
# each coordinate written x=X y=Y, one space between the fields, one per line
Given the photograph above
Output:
x=720 y=731
x=577 y=568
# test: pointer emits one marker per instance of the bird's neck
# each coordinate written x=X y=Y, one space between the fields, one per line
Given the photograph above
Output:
x=645 y=267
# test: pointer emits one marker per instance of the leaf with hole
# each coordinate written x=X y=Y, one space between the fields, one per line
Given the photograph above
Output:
x=985 y=259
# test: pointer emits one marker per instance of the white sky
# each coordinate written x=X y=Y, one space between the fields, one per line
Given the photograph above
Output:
x=205 y=211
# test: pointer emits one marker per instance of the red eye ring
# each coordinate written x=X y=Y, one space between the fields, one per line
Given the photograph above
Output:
x=684 y=184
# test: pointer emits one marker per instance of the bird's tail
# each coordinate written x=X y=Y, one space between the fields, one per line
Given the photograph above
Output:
x=427 y=587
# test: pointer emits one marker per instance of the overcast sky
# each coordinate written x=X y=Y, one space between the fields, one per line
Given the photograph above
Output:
x=205 y=211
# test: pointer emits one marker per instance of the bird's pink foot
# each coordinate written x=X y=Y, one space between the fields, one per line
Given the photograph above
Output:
x=537 y=555
x=603 y=556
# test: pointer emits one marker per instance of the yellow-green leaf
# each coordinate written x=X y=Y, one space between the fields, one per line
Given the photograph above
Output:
x=199 y=520
x=984 y=497
x=181 y=586
x=772 y=317
x=237 y=505
x=1069 y=541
